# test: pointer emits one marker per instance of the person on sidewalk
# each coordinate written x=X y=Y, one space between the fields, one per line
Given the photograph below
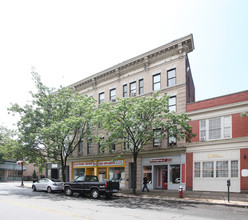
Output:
x=145 y=181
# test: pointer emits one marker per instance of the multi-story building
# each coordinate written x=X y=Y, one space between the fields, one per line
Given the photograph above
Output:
x=166 y=69
x=220 y=149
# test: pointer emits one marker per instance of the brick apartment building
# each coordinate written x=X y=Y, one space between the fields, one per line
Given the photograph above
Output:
x=220 y=149
x=166 y=69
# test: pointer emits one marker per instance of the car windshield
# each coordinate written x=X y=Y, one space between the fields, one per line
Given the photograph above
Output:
x=80 y=179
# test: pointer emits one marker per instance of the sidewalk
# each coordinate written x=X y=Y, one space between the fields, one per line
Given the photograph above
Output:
x=214 y=198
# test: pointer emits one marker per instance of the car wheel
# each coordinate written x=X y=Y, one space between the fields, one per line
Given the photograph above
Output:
x=49 y=189
x=95 y=194
x=33 y=188
x=68 y=191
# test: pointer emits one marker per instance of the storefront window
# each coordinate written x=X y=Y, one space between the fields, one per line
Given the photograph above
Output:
x=234 y=168
x=197 y=169
x=175 y=173
x=208 y=169
x=147 y=171
x=78 y=172
x=222 y=169
x=116 y=174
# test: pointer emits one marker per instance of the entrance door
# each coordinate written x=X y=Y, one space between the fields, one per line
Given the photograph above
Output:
x=54 y=174
x=102 y=174
x=165 y=178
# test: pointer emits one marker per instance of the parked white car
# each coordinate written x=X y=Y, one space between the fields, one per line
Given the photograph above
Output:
x=48 y=185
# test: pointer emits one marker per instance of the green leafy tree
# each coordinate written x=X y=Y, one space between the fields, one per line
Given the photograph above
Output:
x=131 y=122
x=54 y=123
x=244 y=115
x=9 y=146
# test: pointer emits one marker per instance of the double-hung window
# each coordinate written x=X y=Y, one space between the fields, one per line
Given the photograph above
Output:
x=133 y=89
x=171 y=77
x=156 y=82
x=216 y=128
x=80 y=147
x=125 y=90
x=101 y=97
x=157 y=140
x=89 y=147
x=112 y=95
x=141 y=86
x=173 y=103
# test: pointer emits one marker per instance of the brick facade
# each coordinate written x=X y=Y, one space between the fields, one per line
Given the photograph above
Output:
x=218 y=101
x=189 y=171
x=230 y=149
x=243 y=165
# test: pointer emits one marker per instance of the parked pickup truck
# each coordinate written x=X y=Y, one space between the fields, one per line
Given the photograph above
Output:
x=90 y=185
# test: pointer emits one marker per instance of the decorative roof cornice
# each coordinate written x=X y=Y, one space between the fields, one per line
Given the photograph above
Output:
x=180 y=46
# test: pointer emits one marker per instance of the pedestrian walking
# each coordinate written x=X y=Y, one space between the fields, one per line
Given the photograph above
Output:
x=145 y=181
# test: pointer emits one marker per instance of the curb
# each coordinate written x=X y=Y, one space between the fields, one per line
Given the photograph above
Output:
x=184 y=200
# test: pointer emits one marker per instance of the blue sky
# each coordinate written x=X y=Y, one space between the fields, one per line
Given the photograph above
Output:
x=68 y=40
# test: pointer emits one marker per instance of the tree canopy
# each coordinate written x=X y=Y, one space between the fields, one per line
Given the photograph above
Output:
x=54 y=123
x=132 y=122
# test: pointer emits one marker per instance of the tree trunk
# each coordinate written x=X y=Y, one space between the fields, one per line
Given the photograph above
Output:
x=63 y=168
x=134 y=172
x=22 y=174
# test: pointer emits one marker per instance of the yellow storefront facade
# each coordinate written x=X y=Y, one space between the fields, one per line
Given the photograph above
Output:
x=113 y=170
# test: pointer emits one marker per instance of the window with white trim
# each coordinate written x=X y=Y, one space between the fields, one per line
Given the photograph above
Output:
x=197 y=169
x=173 y=103
x=216 y=128
x=171 y=77
x=217 y=169
x=112 y=95
x=221 y=169
x=157 y=140
x=141 y=86
x=156 y=82
x=101 y=97
x=133 y=89
x=208 y=169
x=234 y=168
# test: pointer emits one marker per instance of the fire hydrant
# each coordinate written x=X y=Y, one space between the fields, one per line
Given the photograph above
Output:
x=180 y=192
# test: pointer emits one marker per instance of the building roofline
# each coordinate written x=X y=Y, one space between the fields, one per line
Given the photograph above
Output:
x=203 y=100
x=185 y=44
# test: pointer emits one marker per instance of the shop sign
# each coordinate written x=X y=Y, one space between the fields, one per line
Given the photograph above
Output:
x=54 y=166
x=111 y=163
x=84 y=164
x=160 y=160
x=244 y=173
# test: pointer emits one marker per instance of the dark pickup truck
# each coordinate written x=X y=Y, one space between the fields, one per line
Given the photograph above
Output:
x=90 y=185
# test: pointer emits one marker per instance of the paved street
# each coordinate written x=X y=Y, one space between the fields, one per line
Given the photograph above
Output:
x=23 y=203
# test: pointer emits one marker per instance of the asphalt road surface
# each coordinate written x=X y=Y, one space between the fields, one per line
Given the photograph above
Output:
x=18 y=203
